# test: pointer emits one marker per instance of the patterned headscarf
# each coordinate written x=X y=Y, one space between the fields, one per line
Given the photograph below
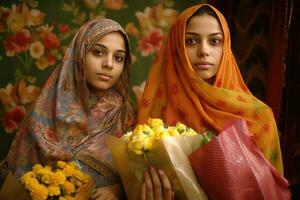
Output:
x=174 y=92
x=67 y=122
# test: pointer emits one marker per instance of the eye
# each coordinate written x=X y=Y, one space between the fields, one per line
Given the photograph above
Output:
x=119 y=58
x=98 y=52
x=190 y=41
x=216 y=41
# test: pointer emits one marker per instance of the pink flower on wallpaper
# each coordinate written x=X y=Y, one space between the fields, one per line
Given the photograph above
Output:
x=151 y=42
x=11 y=120
x=17 y=43
x=51 y=41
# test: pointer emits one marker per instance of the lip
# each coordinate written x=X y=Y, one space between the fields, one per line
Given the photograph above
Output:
x=203 y=65
x=104 y=77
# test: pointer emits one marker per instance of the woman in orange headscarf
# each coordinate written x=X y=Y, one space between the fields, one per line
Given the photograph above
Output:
x=195 y=80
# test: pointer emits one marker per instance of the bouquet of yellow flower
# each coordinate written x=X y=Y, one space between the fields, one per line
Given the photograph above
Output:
x=165 y=147
x=65 y=182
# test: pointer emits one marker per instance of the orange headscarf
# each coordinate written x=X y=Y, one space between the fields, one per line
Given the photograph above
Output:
x=174 y=92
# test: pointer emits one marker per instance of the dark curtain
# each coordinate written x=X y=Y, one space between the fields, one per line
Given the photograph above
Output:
x=290 y=115
x=266 y=41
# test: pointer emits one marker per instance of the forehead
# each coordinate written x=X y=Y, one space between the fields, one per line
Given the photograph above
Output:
x=203 y=24
x=112 y=40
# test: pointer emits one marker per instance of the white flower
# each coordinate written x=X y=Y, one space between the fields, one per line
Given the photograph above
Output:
x=36 y=49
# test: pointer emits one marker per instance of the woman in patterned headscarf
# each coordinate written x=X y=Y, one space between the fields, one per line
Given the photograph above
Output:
x=195 y=80
x=83 y=99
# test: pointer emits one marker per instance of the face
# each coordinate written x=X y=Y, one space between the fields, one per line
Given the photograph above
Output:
x=204 y=45
x=105 y=62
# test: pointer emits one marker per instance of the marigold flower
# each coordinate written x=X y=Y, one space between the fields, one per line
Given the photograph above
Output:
x=36 y=168
x=80 y=176
x=57 y=178
x=53 y=190
x=61 y=164
x=68 y=171
x=69 y=187
x=39 y=192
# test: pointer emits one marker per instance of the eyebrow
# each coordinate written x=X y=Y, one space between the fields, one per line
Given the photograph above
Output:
x=105 y=47
x=192 y=33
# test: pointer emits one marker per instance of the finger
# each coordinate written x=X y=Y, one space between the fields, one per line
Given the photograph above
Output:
x=166 y=184
x=149 y=186
x=143 y=192
x=157 y=186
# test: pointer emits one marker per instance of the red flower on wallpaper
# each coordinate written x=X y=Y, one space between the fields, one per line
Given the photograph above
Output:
x=17 y=43
x=51 y=41
x=51 y=60
x=151 y=42
x=12 y=119
x=63 y=28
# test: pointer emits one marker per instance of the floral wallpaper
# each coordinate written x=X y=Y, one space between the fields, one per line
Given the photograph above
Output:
x=35 y=34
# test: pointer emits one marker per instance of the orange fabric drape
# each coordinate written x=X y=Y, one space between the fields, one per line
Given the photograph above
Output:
x=175 y=93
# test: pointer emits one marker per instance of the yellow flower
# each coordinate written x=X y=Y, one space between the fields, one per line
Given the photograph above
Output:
x=69 y=187
x=45 y=174
x=61 y=164
x=74 y=165
x=80 y=176
x=161 y=133
x=181 y=128
x=29 y=182
x=27 y=176
x=39 y=192
x=68 y=197
x=68 y=170
x=78 y=183
x=57 y=178
x=155 y=122
x=53 y=190
x=144 y=136
x=36 y=168
x=140 y=143
x=142 y=129
x=173 y=131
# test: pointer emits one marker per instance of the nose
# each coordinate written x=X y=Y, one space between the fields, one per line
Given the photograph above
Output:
x=108 y=63
x=203 y=49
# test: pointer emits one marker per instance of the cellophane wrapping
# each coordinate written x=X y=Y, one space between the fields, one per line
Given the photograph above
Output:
x=231 y=166
x=170 y=155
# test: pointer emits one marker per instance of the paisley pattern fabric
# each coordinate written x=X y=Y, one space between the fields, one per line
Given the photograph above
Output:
x=67 y=122
x=174 y=92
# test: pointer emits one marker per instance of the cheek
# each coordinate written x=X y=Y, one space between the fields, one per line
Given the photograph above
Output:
x=190 y=54
x=220 y=54
x=118 y=71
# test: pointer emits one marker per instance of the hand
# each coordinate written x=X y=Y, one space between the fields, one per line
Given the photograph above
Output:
x=112 y=192
x=156 y=185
